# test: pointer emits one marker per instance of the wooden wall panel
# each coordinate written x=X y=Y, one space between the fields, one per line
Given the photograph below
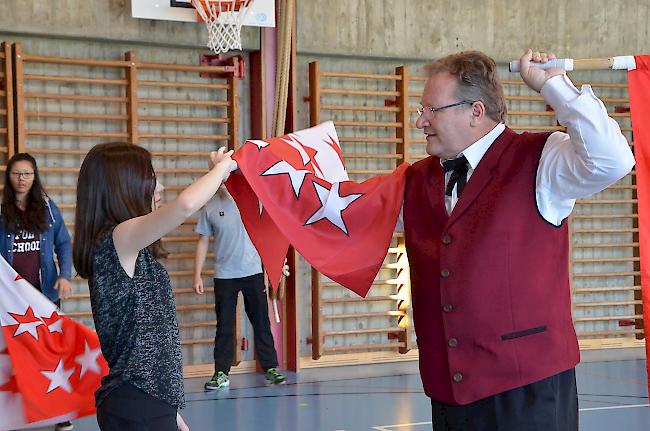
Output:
x=178 y=112
x=371 y=114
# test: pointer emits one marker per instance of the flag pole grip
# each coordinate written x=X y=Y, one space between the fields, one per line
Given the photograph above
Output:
x=622 y=62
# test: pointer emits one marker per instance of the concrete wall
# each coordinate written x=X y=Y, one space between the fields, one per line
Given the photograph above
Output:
x=106 y=20
x=428 y=28
x=375 y=28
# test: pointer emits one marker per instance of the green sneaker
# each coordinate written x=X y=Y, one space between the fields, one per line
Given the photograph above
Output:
x=274 y=377
x=64 y=426
x=220 y=380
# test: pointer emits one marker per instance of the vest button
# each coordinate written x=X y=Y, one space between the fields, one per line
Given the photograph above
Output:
x=452 y=342
x=458 y=377
x=447 y=308
x=446 y=240
x=444 y=273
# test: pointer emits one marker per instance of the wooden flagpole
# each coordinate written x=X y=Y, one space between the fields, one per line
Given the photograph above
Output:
x=622 y=62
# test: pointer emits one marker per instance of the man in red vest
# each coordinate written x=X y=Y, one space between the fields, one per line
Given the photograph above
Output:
x=487 y=240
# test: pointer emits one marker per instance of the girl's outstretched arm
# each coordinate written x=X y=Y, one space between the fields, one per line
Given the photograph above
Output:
x=137 y=233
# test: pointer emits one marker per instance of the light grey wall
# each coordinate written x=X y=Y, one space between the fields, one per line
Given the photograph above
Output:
x=106 y=20
x=375 y=28
x=429 y=28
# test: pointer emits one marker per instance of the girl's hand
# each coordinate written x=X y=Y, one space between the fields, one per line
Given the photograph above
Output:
x=220 y=156
x=223 y=158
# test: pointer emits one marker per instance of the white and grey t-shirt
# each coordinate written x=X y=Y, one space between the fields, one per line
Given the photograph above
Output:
x=234 y=253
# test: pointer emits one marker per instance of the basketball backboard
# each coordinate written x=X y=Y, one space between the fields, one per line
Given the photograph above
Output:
x=262 y=13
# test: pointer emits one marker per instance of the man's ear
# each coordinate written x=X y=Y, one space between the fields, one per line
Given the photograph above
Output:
x=478 y=113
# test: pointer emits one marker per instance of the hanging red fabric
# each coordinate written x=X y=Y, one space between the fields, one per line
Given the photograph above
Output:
x=50 y=365
x=639 y=93
x=295 y=189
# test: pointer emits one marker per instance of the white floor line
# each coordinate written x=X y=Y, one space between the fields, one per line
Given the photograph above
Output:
x=630 y=406
x=589 y=409
x=390 y=427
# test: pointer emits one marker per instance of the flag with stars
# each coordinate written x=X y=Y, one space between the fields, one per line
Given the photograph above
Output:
x=50 y=365
x=294 y=189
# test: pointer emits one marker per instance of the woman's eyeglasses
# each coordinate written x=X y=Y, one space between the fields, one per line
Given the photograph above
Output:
x=25 y=175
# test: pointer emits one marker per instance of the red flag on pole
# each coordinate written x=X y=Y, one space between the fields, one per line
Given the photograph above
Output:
x=295 y=189
x=50 y=365
x=639 y=92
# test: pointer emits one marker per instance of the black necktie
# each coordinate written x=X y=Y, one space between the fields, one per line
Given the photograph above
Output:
x=458 y=168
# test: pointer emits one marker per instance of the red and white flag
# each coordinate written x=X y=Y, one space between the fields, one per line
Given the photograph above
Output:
x=50 y=365
x=639 y=92
x=295 y=189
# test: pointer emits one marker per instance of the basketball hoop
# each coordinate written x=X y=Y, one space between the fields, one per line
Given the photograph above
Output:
x=223 y=19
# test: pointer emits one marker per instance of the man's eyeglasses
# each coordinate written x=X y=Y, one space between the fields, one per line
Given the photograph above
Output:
x=422 y=109
x=25 y=175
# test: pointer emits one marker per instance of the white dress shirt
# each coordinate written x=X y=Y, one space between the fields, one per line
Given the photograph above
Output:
x=591 y=156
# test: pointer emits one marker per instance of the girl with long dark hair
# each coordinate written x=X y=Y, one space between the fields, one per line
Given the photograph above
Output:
x=118 y=227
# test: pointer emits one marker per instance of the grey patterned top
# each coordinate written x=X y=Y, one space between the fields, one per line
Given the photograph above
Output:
x=135 y=319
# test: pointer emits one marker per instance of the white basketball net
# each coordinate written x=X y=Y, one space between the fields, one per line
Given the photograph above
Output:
x=223 y=20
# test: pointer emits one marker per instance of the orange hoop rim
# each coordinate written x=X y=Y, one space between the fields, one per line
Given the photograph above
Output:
x=222 y=6
x=223 y=20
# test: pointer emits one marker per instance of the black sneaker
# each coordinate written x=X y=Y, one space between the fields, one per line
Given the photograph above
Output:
x=64 y=426
x=274 y=377
x=220 y=380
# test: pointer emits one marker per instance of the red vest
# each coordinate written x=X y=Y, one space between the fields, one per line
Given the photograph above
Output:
x=490 y=282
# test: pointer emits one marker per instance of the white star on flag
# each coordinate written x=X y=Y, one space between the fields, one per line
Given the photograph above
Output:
x=298 y=146
x=332 y=206
x=297 y=176
x=88 y=360
x=29 y=327
x=56 y=326
x=320 y=149
x=306 y=158
x=59 y=378
x=259 y=144
x=54 y=323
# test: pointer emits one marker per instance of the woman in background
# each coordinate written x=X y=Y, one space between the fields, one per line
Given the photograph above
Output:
x=32 y=231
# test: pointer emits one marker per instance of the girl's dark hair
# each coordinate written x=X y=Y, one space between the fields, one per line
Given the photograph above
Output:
x=116 y=183
x=33 y=219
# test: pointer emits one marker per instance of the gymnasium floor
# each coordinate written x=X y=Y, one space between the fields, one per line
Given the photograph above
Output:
x=612 y=396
